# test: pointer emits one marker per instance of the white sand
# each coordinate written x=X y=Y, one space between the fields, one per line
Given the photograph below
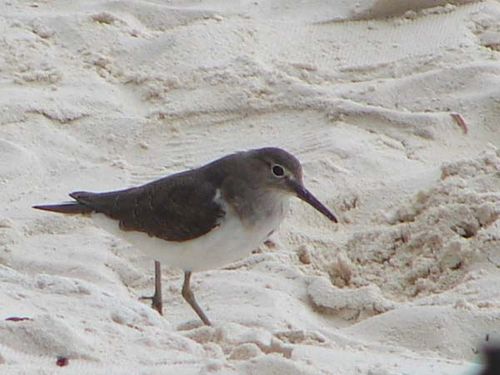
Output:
x=99 y=95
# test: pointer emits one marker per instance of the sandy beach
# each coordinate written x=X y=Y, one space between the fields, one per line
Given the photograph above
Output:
x=393 y=109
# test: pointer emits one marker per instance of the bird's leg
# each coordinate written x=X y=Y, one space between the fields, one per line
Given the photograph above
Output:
x=157 y=302
x=188 y=295
x=156 y=299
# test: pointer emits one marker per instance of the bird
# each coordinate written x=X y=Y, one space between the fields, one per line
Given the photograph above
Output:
x=202 y=218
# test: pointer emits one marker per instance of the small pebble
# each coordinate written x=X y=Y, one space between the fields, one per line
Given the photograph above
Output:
x=62 y=361
x=304 y=254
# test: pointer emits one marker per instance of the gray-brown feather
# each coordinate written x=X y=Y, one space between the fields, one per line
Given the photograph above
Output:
x=74 y=208
x=174 y=209
x=181 y=207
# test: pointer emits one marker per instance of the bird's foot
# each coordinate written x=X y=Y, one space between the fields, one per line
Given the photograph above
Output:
x=156 y=302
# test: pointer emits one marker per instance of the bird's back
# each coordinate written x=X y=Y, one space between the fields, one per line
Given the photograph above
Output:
x=175 y=208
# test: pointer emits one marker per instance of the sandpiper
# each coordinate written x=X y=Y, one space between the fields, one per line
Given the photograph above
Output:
x=202 y=218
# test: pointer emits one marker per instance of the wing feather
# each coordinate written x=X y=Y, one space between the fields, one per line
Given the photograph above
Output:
x=174 y=209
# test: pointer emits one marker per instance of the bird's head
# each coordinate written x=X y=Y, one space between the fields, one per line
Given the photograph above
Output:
x=281 y=171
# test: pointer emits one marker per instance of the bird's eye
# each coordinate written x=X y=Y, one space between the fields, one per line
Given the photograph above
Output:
x=278 y=171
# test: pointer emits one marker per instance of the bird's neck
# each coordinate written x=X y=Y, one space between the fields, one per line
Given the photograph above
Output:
x=260 y=206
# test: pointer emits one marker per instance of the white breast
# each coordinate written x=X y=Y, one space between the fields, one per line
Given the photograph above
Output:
x=230 y=241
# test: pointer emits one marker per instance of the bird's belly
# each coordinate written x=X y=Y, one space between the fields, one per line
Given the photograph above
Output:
x=228 y=242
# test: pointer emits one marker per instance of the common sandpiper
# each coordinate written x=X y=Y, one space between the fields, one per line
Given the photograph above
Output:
x=202 y=218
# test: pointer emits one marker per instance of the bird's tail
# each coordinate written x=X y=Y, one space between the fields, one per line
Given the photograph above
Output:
x=66 y=208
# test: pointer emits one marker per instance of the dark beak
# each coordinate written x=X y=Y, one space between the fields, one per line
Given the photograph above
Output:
x=306 y=196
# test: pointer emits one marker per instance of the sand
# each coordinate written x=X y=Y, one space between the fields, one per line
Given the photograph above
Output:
x=393 y=108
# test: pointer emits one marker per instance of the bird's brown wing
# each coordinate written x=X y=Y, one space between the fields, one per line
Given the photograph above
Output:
x=174 y=209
